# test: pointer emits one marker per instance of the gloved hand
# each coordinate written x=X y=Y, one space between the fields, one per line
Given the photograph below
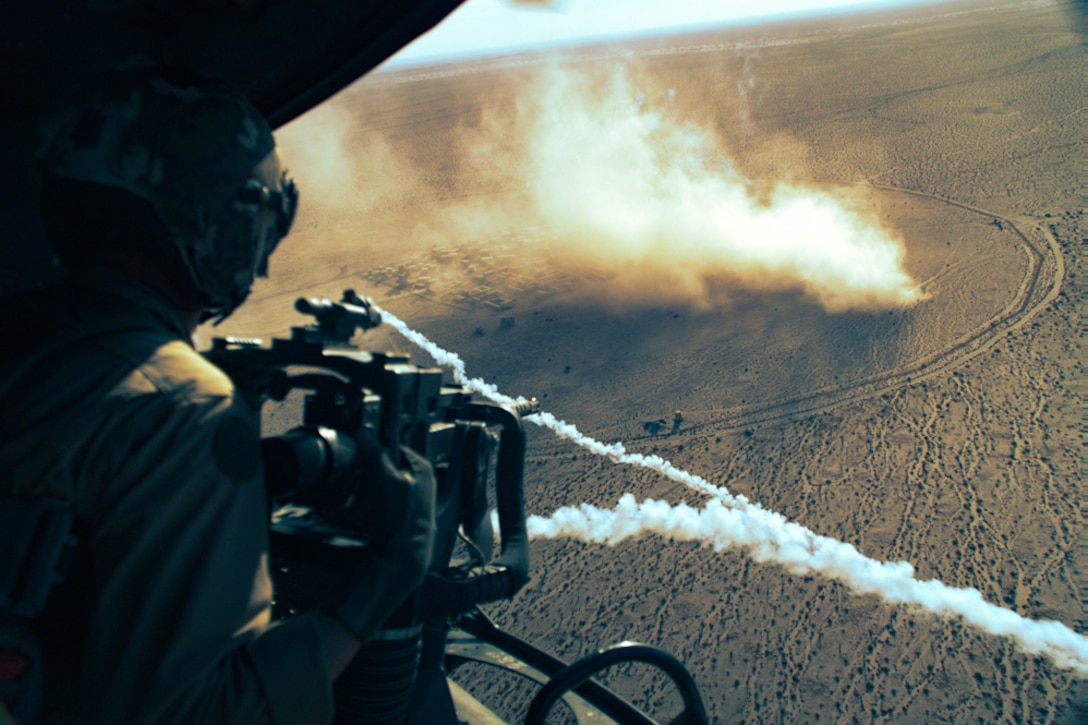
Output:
x=395 y=507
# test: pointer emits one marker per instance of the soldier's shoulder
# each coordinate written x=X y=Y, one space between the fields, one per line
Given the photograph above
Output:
x=179 y=371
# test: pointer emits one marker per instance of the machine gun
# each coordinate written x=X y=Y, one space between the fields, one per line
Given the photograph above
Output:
x=355 y=399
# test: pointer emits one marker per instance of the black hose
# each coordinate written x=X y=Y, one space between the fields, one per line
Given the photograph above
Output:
x=567 y=679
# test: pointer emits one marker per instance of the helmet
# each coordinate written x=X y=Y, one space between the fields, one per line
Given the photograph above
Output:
x=205 y=162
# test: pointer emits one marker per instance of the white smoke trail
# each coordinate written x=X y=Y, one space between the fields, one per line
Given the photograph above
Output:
x=728 y=520
x=769 y=537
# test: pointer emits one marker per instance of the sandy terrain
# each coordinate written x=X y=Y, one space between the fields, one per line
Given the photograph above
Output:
x=945 y=434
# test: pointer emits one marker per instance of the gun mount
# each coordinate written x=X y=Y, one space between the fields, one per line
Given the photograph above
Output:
x=355 y=399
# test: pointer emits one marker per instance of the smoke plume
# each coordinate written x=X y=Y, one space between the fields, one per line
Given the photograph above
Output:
x=631 y=189
x=728 y=521
x=768 y=537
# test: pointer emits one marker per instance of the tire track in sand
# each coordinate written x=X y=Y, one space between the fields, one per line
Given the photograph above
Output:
x=1032 y=296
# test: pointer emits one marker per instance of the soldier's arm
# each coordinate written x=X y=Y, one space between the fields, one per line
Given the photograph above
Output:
x=182 y=629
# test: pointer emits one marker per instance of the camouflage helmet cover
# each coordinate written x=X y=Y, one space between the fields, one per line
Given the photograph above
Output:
x=206 y=162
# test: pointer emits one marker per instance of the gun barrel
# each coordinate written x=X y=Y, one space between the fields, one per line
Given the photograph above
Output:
x=526 y=407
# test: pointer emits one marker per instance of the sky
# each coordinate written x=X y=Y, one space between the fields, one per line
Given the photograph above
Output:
x=490 y=27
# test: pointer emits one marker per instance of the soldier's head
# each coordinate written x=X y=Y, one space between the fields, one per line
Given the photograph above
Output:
x=182 y=178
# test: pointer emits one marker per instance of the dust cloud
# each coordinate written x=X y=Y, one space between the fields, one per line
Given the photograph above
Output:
x=344 y=173
x=628 y=188
x=631 y=193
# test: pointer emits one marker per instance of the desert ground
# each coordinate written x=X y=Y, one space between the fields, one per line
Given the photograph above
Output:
x=945 y=433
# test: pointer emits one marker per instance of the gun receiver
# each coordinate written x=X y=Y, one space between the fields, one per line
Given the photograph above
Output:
x=355 y=398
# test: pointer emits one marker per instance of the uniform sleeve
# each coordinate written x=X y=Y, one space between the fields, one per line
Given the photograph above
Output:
x=181 y=633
